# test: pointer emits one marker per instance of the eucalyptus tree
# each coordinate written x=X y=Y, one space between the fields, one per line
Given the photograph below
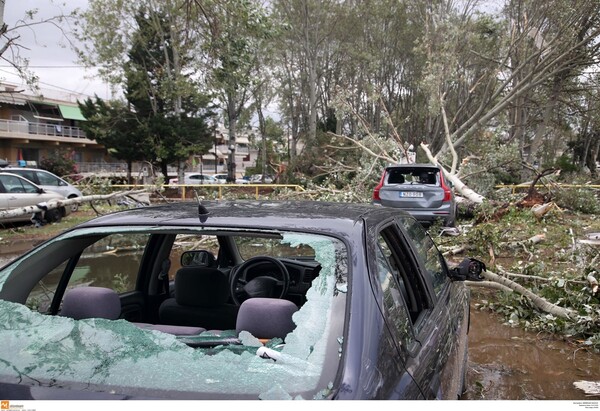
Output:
x=13 y=47
x=567 y=31
x=307 y=39
x=536 y=47
x=236 y=30
x=586 y=107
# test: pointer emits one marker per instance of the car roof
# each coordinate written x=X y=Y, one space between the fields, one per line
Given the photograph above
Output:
x=314 y=216
x=417 y=165
x=24 y=168
x=8 y=173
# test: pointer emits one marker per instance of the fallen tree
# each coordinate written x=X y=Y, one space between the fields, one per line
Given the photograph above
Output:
x=50 y=205
x=499 y=282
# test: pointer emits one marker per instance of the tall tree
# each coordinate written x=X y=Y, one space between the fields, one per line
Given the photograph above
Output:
x=117 y=128
x=165 y=100
x=237 y=30
x=149 y=53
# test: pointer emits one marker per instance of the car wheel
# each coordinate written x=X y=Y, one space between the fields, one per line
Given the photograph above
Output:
x=74 y=207
x=451 y=222
x=53 y=216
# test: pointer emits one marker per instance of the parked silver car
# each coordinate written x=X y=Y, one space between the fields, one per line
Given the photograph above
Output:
x=419 y=189
x=16 y=191
x=47 y=181
x=258 y=178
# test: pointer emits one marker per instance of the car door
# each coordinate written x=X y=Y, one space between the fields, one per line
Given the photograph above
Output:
x=20 y=192
x=443 y=327
x=398 y=342
x=50 y=182
x=426 y=338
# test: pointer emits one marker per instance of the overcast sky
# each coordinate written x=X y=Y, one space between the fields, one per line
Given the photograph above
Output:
x=50 y=55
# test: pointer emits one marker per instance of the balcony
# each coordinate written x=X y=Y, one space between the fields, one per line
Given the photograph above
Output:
x=41 y=131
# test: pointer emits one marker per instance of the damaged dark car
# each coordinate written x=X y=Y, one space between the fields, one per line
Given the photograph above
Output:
x=236 y=300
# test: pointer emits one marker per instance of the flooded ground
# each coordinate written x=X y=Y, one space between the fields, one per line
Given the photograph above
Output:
x=508 y=363
x=505 y=363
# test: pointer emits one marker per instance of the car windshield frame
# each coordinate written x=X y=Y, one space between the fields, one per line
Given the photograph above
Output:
x=310 y=357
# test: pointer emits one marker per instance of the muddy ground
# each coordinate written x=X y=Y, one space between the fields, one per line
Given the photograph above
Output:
x=507 y=363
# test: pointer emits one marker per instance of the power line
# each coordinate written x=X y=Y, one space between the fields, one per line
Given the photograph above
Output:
x=50 y=67
x=51 y=85
x=53 y=66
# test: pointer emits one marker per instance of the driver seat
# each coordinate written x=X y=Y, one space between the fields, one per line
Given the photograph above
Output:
x=201 y=295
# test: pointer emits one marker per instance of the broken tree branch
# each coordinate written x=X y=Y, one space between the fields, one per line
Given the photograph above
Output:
x=540 y=302
x=461 y=187
x=15 y=212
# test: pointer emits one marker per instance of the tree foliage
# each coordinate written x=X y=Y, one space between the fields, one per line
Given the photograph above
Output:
x=166 y=114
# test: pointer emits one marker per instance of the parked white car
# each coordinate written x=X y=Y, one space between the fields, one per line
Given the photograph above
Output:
x=16 y=191
x=47 y=181
x=258 y=178
x=195 y=178
x=222 y=178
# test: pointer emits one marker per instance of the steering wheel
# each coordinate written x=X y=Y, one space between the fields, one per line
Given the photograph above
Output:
x=261 y=286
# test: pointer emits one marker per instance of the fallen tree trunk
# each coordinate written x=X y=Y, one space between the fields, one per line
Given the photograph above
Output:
x=591 y=388
x=538 y=238
x=489 y=284
x=15 y=212
x=538 y=301
x=461 y=187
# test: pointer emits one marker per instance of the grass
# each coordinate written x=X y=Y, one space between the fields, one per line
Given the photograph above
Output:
x=23 y=231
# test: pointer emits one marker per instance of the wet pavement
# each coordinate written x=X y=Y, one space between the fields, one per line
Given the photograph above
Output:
x=505 y=363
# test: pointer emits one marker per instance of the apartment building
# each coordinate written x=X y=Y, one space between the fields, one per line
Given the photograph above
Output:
x=33 y=127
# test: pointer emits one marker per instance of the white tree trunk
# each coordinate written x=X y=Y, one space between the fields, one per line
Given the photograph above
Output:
x=15 y=212
x=461 y=187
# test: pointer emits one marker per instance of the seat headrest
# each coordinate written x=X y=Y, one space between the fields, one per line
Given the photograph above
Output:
x=91 y=302
x=201 y=287
x=266 y=317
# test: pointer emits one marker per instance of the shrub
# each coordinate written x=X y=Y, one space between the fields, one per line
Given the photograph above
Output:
x=578 y=199
x=59 y=162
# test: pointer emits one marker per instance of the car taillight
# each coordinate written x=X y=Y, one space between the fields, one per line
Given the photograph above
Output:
x=376 y=190
x=447 y=190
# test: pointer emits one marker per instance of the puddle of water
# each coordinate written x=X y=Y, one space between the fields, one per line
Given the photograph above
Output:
x=508 y=363
x=14 y=249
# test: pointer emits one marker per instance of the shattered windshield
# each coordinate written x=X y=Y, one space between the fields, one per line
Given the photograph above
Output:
x=120 y=357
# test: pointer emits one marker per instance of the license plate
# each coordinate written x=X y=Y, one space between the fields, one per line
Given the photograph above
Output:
x=411 y=194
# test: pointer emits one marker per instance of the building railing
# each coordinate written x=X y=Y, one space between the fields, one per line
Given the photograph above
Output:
x=27 y=127
x=120 y=168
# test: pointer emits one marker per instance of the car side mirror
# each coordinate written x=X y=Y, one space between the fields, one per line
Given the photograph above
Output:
x=200 y=258
x=469 y=269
